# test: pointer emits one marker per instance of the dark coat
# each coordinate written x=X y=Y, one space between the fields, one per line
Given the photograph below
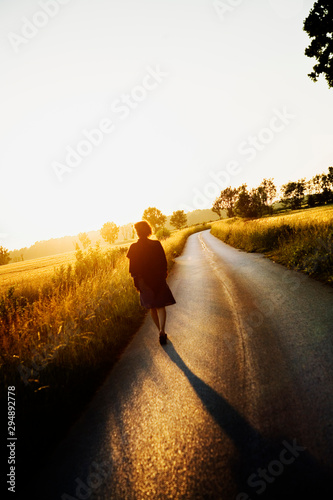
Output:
x=148 y=267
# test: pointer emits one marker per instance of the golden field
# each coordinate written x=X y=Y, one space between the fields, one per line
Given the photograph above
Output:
x=301 y=240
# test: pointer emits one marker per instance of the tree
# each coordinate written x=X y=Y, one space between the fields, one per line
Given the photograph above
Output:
x=293 y=194
x=320 y=188
x=84 y=239
x=269 y=193
x=178 y=219
x=257 y=202
x=216 y=208
x=226 y=200
x=262 y=198
x=243 y=206
x=155 y=218
x=4 y=256
x=319 y=26
x=109 y=232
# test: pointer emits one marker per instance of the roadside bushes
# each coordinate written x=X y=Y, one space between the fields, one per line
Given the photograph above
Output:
x=304 y=244
x=61 y=334
x=81 y=315
x=251 y=236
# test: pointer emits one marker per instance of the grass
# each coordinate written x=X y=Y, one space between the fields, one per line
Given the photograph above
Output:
x=62 y=331
x=18 y=273
x=301 y=240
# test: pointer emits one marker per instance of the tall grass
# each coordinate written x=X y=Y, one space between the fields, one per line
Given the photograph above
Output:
x=75 y=313
x=61 y=334
x=301 y=240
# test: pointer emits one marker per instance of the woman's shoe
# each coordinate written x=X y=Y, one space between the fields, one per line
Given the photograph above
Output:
x=163 y=338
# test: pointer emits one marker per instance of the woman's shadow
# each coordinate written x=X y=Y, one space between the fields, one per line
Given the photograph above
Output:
x=302 y=477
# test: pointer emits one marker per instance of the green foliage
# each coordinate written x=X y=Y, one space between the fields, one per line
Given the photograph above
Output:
x=319 y=26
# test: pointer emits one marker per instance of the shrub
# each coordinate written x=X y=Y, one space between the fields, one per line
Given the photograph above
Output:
x=302 y=241
x=163 y=233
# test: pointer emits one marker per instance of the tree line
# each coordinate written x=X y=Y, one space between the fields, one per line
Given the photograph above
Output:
x=241 y=202
x=110 y=232
x=153 y=215
x=259 y=201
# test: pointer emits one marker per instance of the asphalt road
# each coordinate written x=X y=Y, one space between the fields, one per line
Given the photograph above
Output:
x=238 y=405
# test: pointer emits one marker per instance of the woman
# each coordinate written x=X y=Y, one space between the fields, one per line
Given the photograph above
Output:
x=148 y=267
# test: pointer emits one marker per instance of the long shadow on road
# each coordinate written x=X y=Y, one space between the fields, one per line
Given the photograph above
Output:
x=270 y=469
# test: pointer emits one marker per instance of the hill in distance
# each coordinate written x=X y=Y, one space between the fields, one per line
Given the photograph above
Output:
x=67 y=243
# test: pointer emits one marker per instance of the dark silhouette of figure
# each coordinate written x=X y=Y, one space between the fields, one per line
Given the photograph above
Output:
x=148 y=267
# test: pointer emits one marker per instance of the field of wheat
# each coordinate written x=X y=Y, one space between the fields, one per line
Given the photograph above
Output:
x=64 y=321
x=301 y=240
x=68 y=310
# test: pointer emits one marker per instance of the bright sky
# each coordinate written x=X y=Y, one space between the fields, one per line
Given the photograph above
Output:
x=111 y=106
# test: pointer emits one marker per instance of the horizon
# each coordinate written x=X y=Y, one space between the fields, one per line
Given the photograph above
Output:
x=89 y=231
x=161 y=105
x=197 y=194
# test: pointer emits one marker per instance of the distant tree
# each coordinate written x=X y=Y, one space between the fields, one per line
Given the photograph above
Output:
x=216 y=208
x=313 y=186
x=262 y=198
x=293 y=194
x=319 y=26
x=4 y=256
x=268 y=193
x=178 y=219
x=326 y=192
x=330 y=176
x=84 y=239
x=320 y=188
x=109 y=232
x=257 y=202
x=244 y=203
x=155 y=218
x=227 y=201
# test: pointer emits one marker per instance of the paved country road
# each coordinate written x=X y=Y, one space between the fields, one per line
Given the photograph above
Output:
x=238 y=404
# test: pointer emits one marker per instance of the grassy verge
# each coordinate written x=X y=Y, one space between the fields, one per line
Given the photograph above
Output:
x=60 y=335
x=301 y=240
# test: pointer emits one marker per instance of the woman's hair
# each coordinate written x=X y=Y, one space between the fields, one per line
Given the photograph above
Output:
x=143 y=229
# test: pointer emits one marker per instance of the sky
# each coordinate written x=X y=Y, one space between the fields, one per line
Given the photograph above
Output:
x=111 y=106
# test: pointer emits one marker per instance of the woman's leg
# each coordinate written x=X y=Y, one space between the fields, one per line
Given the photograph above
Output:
x=161 y=313
x=154 y=315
